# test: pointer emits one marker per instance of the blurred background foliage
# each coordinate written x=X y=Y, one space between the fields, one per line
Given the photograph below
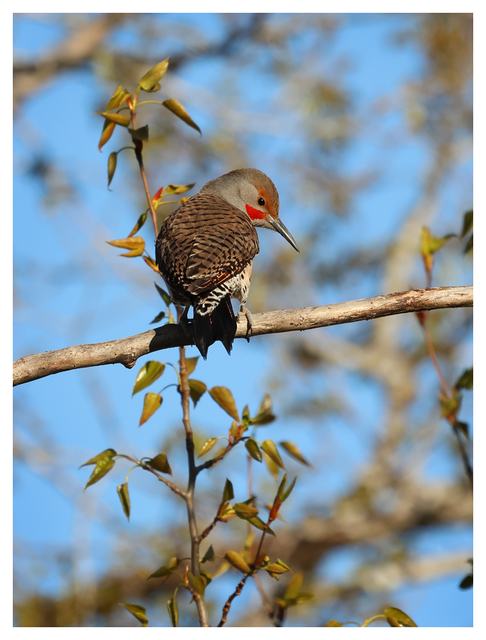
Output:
x=364 y=123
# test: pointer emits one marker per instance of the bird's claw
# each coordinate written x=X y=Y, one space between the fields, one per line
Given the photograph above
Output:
x=249 y=321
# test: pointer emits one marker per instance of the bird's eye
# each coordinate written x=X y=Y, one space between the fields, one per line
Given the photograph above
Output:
x=261 y=202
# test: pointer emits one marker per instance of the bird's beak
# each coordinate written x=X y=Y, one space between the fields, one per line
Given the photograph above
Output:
x=279 y=226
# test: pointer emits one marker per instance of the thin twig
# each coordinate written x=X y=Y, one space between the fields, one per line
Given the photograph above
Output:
x=191 y=514
x=447 y=393
x=227 y=605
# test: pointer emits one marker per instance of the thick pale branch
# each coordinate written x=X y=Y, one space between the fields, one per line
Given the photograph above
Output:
x=127 y=350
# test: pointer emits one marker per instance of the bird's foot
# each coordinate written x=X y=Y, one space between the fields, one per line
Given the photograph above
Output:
x=249 y=321
x=187 y=325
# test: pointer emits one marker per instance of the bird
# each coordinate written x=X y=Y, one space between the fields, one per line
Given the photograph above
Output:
x=205 y=252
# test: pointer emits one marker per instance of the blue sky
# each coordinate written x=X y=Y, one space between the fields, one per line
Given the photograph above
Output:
x=59 y=310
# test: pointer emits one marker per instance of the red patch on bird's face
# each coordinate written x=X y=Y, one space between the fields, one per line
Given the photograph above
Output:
x=255 y=214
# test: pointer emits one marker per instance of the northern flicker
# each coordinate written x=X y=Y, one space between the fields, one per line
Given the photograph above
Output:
x=205 y=251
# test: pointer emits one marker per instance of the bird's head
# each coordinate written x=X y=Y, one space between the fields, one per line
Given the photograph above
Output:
x=250 y=190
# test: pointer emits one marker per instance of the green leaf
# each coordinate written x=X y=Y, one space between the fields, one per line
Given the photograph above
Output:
x=148 y=374
x=124 y=496
x=152 y=265
x=137 y=611
x=103 y=463
x=178 y=110
x=258 y=523
x=466 y=582
x=207 y=446
x=236 y=561
x=191 y=364
x=271 y=450
x=449 y=406
x=463 y=427
x=160 y=316
x=334 y=623
x=467 y=223
x=228 y=493
x=469 y=246
x=151 y=403
x=294 y=451
x=164 y=295
x=112 y=158
x=196 y=583
x=294 y=587
x=160 y=463
x=206 y=577
x=107 y=452
x=171 y=189
x=141 y=134
x=465 y=381
x=253 y=449
x=166 y=570
x=209 y=555
x=401 y=617
x=196 y=390
x=224 y=398
x=150 y=81
x=139 y=224
x=173 y=611
x=245 y=511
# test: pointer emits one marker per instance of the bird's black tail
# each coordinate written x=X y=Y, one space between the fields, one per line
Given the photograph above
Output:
x=218 y=325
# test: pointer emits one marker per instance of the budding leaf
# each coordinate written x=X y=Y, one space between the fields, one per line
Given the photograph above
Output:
x=112 y=158
x=207 y=446
x=137 y=611
x=245 y=511
x=107 y=132
x=150 y=81
x=237 y=561
x=253 y=449
x=178 y=188
x=118 y=98
x=271 y=450
x=139 y=224
x=124 y=496
x=173 y=611
x=401 y=617
x=136 y=245
x=178 y=110
x=294 y=451
x=115 y=118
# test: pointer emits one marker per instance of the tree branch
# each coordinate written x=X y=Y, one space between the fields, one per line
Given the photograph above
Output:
x=127 y=350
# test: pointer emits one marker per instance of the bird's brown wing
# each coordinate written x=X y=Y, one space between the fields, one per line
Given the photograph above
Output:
x=205 y=242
